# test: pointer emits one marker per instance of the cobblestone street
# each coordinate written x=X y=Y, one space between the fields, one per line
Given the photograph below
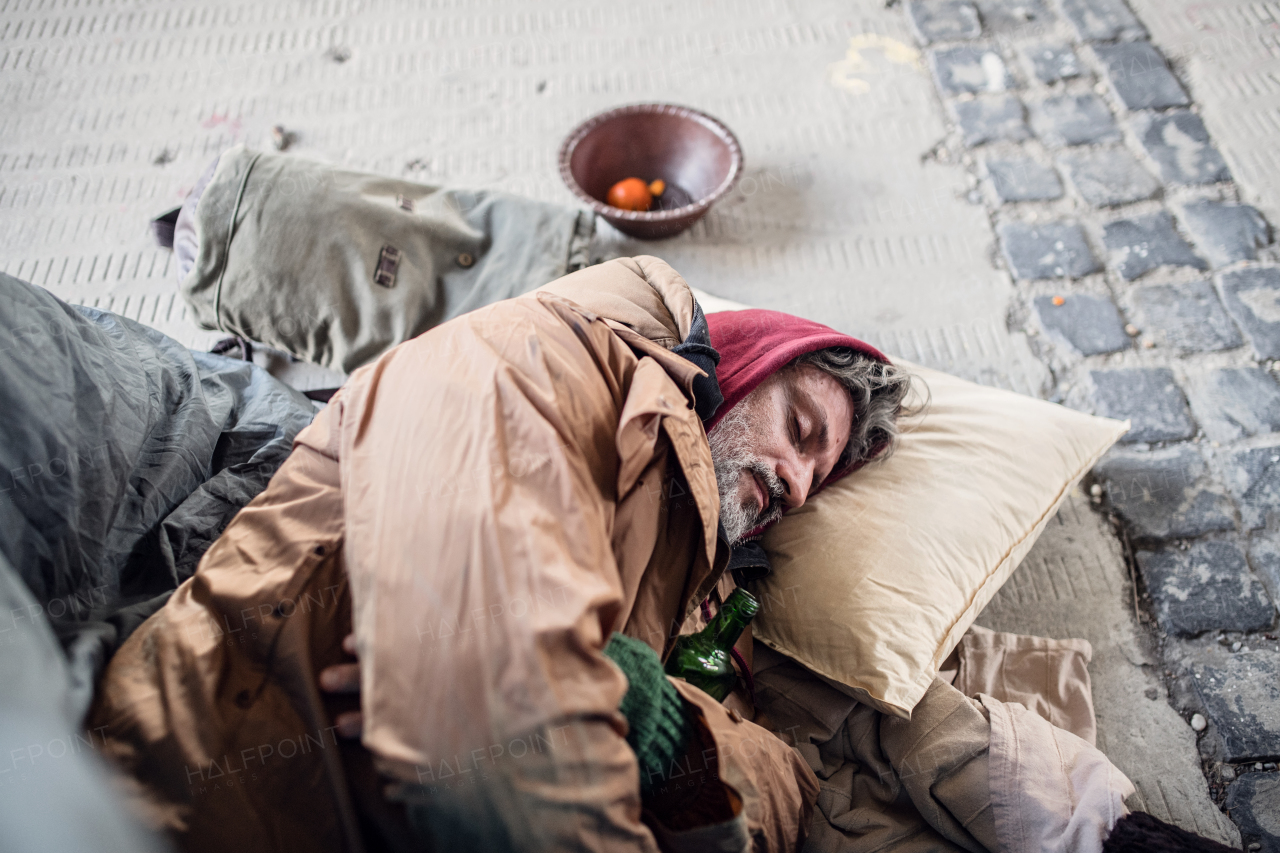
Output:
x=1151 y=292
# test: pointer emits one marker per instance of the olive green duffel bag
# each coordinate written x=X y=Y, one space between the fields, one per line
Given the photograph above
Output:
x=336 y=266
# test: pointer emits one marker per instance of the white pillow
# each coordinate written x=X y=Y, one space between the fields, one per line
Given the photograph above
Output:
x=878 y=576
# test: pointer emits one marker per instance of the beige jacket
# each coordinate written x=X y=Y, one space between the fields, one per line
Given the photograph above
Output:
x=485 y=504
x=978 y=767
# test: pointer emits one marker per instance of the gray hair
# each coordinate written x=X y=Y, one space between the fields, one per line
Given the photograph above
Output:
x=879 y=393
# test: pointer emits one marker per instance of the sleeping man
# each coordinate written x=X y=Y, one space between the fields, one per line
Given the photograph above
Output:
x=483 y=507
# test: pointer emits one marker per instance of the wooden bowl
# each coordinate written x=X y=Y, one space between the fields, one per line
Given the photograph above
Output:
x=697 y=156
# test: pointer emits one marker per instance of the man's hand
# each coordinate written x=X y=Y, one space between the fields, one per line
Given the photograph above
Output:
x=345 y=678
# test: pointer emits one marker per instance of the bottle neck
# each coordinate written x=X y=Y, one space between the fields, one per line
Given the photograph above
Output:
x=735 y=615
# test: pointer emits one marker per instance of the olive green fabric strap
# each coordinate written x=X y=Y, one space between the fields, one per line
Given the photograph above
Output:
x=659 y=725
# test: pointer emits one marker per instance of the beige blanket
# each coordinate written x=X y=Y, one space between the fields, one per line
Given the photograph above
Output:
x=979 y=772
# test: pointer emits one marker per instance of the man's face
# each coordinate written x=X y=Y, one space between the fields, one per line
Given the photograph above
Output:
x=777 y=445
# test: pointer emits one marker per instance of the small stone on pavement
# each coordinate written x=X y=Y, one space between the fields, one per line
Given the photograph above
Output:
x=1108 y=177
x=1252 y=298
x=1179 y=144
x=1073 y=120
x=1048 y=250
x=1142 y=243
x=1140 y=77
x=1198 y=722
x=1187 y=316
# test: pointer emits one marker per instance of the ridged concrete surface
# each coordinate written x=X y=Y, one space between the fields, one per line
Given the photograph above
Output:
x=111 y=109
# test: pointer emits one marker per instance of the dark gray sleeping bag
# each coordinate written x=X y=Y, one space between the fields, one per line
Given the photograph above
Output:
x=123 y=455
x=55 y=794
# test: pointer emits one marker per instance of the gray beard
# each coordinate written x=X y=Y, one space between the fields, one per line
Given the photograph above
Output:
x=733 y=460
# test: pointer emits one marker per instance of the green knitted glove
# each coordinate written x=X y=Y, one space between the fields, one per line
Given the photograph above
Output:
x=659 y=727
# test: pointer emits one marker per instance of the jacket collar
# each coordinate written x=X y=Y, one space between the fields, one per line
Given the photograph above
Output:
x=697 y=348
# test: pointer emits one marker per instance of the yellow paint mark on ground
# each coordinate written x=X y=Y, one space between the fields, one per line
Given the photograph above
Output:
x=866 y=52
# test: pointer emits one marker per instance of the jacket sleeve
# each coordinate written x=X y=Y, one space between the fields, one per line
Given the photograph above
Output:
x=776 y=786
x=643 y=293
x=478 y=471
x=942 y=757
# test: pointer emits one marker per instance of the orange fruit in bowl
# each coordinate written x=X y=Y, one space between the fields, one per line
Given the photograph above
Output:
x=630 y=194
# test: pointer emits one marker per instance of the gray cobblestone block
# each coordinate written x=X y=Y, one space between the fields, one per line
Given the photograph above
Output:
x=1232 y=403
x=991 y=119
x=1051 y=62
x=1207 y=587
x=1106 y=177
x=1140 y=77
x=1252 y=298
x=943 y=20
x=1149 y=397
x=968 y=70
x=1253 y=477
x=1264 y=557
x=1139 y=245
x=1241 y=693
x=1253 y=801
x=1073 y=120
x=1186 y=316
x=1165 y=494
x=1007 y=16
x=1103 y=20
x=1179 y=144
x=1090 y=324
x=1226 y=233
x=1050 y=250
x=1024 y=179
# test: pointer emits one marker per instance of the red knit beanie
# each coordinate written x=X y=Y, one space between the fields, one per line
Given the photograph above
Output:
x=754 y=343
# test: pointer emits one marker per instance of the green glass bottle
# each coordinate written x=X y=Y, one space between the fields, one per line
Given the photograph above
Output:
x=703 y=659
